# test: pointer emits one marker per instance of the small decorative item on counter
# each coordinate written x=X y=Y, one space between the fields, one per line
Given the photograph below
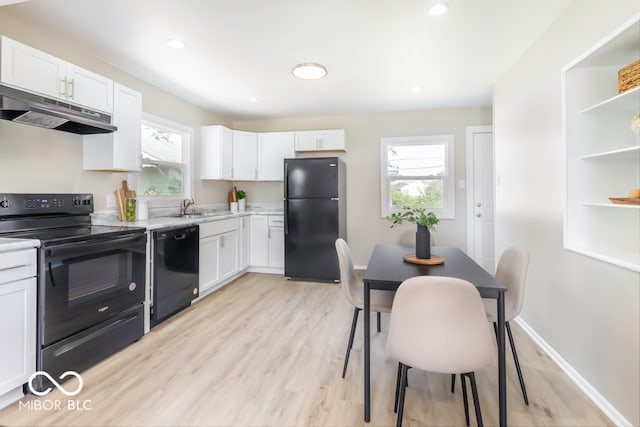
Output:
x=629 y=77
x=130 y=210
x=633 y=198
x=143 y=210
x=241 y=196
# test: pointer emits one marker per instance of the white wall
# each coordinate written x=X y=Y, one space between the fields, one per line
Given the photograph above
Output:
x=587 y=310
x=45 y=161
x=365 y=226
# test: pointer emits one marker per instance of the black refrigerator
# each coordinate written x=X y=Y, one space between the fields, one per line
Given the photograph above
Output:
x=314 y=217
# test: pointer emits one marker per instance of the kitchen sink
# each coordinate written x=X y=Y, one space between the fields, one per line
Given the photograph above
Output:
x=202 y=214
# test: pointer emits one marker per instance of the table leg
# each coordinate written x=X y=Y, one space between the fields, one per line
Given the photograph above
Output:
x=502 y=376
x=367 y=356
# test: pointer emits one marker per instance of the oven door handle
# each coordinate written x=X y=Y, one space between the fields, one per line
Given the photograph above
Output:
x=88 y=247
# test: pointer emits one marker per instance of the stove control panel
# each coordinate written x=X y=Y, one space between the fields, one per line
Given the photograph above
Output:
x=28 y=204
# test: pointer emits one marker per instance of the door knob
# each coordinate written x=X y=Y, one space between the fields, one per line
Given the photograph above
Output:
x=478 y=205
x=478 y=215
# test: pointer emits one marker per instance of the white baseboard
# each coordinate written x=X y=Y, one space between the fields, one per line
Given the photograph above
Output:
x=607 y=408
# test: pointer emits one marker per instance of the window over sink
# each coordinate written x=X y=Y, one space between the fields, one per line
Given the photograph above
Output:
x=166 y=161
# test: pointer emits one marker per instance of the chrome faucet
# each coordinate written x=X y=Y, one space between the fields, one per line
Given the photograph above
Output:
x=185 y=205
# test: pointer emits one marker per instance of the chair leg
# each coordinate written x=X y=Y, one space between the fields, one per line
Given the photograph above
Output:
x=495 y=329
x=515 y=359
x=476 y=401
x=403 y=389
x=453 y=383
x=465 y=401
x=379 y=321
x=398 y=378
x=350 y=344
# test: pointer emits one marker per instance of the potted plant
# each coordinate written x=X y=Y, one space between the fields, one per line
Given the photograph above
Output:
x=241 y=196
x=425 y=222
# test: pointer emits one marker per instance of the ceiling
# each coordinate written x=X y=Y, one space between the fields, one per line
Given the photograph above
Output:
x=376 y=51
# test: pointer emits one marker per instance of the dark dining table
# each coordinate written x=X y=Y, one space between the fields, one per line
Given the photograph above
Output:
x=387 y=269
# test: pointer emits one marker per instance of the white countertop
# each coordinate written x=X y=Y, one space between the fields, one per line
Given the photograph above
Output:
x=9 y=244
x=171 y=221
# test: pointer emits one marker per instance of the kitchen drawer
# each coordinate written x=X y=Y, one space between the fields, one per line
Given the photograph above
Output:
x=218 y=227
x=276 y=221
x=17 y=265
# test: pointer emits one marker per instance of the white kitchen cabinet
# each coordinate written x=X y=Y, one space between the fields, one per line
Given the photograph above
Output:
x=273 y=148
x=245 y=242
x=120 y=150
x=245 y=156
x=259 y=241
x=17 y=322
x=267 y=244
x=216 y=152
x=320 y=140
x=27 y=68
x=602 y=153
x=219 y=253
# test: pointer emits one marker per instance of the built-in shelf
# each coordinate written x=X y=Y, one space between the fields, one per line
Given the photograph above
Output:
x=626 y=101
x=614 y=153
x=626 y=259
x=611 y=205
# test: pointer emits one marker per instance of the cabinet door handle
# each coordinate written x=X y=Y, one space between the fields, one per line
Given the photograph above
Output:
x=222 y=241
x=269 y=234
x=63 y=87
x=72 y=88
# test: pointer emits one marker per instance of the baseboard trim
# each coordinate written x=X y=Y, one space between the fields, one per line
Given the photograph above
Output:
x=607 y=408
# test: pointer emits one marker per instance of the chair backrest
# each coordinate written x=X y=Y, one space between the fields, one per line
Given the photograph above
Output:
x=351 y=286
x=512 y=272
x=438 y=324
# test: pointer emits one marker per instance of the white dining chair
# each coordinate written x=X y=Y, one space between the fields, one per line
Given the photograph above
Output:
x=353 y=290
x=438 y=324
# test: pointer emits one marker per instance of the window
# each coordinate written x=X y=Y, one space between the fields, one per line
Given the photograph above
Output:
x=417 y=171
x=166 y=161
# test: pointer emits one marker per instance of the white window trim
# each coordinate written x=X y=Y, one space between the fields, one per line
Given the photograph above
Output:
x=187 y=153
x=449 y=212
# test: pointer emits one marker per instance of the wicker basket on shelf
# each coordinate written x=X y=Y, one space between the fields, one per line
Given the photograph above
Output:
x=629 y=77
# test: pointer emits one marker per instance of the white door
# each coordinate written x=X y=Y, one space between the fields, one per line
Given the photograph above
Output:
x=209 y=266
x=480 y=188
x=245 y=242
x=229 y=254
x=259 y=246
x=276 y=247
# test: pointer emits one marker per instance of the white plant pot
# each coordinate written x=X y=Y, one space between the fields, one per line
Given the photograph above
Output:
x=242 y=205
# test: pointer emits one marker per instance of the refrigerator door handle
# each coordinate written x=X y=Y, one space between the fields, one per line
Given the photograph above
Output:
x=335 y=198
x=286 y=181
x=286 y=219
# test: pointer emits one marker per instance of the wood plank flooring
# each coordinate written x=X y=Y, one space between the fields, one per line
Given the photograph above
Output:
x=264 y=351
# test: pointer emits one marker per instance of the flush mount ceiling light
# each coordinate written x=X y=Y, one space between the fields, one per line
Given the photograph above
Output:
x=175 y=43
x=438 y=8
x=309 y=71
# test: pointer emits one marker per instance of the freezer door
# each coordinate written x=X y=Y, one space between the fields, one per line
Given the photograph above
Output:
x=311 y=178
x=310 y=234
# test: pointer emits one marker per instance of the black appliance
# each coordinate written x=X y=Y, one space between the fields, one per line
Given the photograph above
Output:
x=314 y=217
x=175 y=270
x=91 y=279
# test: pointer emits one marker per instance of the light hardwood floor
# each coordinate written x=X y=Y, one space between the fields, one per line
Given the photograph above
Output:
x=264 y=351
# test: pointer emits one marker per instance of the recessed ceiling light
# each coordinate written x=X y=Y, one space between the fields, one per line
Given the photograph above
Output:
x=416 y=89
x=438 y=8
x=309 y=71
x=252 y=99
x=175 y=43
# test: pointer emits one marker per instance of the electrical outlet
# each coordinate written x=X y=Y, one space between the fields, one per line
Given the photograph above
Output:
x=111 y=200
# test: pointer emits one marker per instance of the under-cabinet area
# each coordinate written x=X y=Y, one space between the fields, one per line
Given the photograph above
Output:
x=603 y=153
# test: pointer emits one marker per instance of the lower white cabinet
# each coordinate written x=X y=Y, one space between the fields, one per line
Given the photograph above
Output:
x=245 y=242
x=219 y=253
x=267 y=243
x=17 y=322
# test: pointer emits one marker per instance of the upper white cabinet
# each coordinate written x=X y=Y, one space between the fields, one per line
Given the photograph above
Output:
x=216 y=152
x=273 y=148
x=120 y=150
x=321 y=140
x=245 y=155
x=602 y=152
x=27 y=68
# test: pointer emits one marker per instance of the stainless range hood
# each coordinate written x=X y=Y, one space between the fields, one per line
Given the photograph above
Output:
x=36 y=110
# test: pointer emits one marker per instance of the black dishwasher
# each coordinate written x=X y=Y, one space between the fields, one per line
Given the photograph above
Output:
x=175 y=270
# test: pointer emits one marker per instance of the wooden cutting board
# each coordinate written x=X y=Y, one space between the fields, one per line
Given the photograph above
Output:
x=122 y=195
